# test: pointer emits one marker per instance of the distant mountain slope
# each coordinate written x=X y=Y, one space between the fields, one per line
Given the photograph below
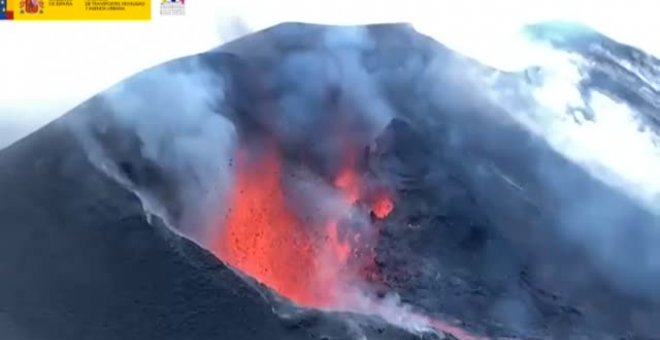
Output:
x=621 y=71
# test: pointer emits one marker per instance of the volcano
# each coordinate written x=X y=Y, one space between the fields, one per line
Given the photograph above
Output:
x=326 y=182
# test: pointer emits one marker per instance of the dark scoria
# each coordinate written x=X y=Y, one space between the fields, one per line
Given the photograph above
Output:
x=473 y=235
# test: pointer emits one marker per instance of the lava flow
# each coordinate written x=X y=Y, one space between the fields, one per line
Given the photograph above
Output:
x=265 y=239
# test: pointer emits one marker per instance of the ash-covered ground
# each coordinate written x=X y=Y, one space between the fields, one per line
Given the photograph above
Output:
x=493 y=229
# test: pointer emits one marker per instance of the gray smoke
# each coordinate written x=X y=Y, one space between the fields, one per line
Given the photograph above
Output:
x=318 y=100
x=162 y=134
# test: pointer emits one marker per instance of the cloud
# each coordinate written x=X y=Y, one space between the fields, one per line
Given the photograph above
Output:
x=48 y=68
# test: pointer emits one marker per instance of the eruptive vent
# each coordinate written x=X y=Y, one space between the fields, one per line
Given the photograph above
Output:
x=263 y=237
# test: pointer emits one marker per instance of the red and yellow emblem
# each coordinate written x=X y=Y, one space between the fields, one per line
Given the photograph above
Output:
x=32 y=6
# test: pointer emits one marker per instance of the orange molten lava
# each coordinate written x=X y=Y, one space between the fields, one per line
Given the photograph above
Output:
x=348 y=181
x=382 y=206
x=264 y=238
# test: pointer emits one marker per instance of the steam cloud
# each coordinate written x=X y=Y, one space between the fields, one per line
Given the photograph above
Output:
x=161 y=135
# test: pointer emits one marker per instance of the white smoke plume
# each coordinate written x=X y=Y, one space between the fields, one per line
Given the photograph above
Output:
x=161 y=133
x=606 y=137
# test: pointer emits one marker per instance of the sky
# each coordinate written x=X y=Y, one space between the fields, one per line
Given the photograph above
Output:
x=47 y=68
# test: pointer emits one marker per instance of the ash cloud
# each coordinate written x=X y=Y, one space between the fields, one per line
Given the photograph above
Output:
x=162 y=134
x=319 y=99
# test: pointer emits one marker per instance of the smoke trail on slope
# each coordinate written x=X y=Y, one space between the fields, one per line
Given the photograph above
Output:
x=160 y=134
x=612 y=141
x=603 y=134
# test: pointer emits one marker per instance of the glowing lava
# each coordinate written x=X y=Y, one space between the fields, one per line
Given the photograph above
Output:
x=348 y=181
x=382 y=206
x=264 y=238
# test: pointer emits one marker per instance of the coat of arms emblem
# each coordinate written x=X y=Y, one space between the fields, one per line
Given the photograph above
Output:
x=32 y=6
